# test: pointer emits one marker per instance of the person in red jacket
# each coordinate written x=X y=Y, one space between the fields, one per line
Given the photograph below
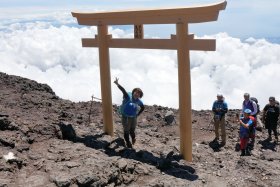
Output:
x=245 y=124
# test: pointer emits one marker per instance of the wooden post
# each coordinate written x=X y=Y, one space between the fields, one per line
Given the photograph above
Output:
x=105 y=78
x=138 y=32
x=184 y=79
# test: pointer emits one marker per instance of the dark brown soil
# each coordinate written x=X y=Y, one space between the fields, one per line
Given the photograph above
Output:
x=57 y=142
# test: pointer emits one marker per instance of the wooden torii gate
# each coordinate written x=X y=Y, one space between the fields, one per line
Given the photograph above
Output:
x=182 y=42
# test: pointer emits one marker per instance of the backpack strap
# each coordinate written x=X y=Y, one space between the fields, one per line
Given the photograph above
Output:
x=254 y=120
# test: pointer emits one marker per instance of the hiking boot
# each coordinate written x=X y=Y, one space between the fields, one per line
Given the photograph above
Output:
x=248 y=152
x=216 y=139
x=242 y=152
x=276 y=139
x=269 y=138
x=128 y=145
x=222 y=144
x=251 y=144
x=133 y=141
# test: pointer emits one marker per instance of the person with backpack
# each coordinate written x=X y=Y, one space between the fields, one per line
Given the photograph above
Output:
x=270 y=118
x=129 y=112
x=249 y=104
x=277 y=103
x=257 y=103
x=245 y=123
x=219 y=109
x=252 y=104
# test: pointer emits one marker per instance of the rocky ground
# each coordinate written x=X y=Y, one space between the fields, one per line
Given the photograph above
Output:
x=57 y=142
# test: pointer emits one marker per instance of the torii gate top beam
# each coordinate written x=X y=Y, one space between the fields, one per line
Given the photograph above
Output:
x=195 y=14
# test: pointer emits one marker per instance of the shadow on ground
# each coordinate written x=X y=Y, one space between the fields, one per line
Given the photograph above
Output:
x=167 y=164
x=266 y=144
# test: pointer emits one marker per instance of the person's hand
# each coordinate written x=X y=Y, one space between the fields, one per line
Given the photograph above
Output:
x=116 y=81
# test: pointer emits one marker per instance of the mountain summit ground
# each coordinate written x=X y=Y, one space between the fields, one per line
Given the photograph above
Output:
x=49 y=141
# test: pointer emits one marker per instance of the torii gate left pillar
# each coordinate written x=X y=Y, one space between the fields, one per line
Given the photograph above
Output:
x=106 y=93
x=182 y=42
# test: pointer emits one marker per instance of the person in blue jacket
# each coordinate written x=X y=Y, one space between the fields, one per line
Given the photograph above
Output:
x=245 y=123
x=219 y=109
x=129 y=112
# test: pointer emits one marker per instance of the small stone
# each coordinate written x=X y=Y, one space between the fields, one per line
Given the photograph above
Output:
x=122 y=164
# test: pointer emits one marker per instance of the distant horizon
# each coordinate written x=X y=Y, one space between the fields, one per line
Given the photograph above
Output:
x=240 y=19
x=45 y=45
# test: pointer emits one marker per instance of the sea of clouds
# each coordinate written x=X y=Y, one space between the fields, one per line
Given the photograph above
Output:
x=48 y=49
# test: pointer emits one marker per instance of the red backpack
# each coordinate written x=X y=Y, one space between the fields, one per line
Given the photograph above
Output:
x=254 y=121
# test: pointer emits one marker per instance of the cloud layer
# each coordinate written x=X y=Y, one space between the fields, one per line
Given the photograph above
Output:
x=51 y=52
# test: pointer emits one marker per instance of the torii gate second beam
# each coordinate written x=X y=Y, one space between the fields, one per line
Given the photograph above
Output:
x=182 y=42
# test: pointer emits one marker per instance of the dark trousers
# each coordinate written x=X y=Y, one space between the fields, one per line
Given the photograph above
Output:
x=129 y=125
x=272 y=127
x=274 y=131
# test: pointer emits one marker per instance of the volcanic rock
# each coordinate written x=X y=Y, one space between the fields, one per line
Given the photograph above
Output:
x=58 y=142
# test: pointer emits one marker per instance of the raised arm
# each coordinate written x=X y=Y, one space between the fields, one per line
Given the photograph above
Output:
x=125 y=95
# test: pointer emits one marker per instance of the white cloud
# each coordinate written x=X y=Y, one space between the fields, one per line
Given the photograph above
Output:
x=54 y=55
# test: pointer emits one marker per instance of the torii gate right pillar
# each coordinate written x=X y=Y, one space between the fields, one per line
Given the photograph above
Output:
x=184 y=80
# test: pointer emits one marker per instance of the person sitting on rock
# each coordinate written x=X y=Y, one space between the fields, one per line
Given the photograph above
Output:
x=220 y=108
x=270 y=118
x=245 y=123
x=129 y=112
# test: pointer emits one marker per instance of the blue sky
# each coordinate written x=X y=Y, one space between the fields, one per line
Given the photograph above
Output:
x=242 y=18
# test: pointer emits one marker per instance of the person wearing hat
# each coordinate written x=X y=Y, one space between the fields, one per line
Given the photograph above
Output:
x=270 y=118
x=250 y=103
x=219 y=109
x=245 y=123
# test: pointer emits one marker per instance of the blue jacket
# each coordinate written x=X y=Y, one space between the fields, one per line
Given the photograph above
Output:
x=130 y=106
x=244 y=132
x=220 y=105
